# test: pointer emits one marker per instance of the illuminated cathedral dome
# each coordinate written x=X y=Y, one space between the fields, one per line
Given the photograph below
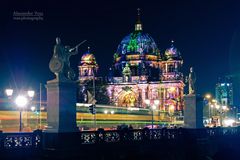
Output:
x=137 y=43
x=172 y=53
x=88 y=59
x=137 y=49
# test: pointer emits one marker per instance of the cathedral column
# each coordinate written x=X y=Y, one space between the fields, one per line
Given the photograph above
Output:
x=139 y=98
x=164 y=98
x=143 y=89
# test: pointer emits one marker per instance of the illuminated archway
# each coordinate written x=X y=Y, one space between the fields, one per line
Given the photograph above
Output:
x=127 y=99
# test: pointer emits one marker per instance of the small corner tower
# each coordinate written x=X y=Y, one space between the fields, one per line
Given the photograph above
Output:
x=172 y=79
x=88 y=66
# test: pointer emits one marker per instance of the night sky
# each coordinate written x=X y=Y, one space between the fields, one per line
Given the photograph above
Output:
x=207 y=33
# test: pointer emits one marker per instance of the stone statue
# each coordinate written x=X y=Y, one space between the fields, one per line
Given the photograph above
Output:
x=60 y=63
x=191 y=79
x=126 y=73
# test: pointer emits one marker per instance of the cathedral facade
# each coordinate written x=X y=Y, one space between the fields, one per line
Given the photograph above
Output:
x=140 y=73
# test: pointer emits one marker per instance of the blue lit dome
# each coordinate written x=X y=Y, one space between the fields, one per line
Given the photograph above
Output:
x=137 y=43
x=172 y=53
x=137 y=46
x=139 y=51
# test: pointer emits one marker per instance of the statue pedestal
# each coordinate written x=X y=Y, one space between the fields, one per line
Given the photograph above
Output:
x=61 y=106
x=62 y=131
x=193 y=111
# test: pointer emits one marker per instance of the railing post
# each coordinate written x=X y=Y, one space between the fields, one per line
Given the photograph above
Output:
x=100 y=135
x=37 y=139
x=146 y=134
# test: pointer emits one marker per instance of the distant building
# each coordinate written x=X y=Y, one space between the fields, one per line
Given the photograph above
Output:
x=224 y=92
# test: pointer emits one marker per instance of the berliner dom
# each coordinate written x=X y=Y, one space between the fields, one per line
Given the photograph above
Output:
x=140 y=73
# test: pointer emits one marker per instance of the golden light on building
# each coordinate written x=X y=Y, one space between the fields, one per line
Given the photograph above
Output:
x=171 y=108
x=172 y=89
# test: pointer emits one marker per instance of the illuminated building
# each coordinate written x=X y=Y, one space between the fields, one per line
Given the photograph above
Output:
x=224 y=92
x=141 y=72
x=171 y=86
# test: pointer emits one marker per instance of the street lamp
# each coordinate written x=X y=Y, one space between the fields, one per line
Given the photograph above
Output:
x=9 y=92
x=214 y=100
x=217 y=106
x=33 y=108
x=156 y=102
x=153 y=108
x=208 y=98
x=21 y=101
x=31 y=93
x=223 y=109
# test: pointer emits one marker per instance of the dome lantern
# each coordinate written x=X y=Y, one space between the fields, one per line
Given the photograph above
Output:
x=138 y=25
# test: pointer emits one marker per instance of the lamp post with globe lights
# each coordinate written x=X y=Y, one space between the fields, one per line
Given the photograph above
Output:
x=21 y=100
x=208 y=97
x=156 y=103
x=152 y=108
x=222 y=111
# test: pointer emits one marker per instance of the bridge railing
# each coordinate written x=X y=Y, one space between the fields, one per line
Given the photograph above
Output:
x=126 y=135
x=21 y=140
x=223 y=131
x=119 y=136
x=33 y=141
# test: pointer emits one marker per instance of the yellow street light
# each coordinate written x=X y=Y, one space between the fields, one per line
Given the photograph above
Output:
x=208 y=96
x=214 y=100
x=106 y=111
